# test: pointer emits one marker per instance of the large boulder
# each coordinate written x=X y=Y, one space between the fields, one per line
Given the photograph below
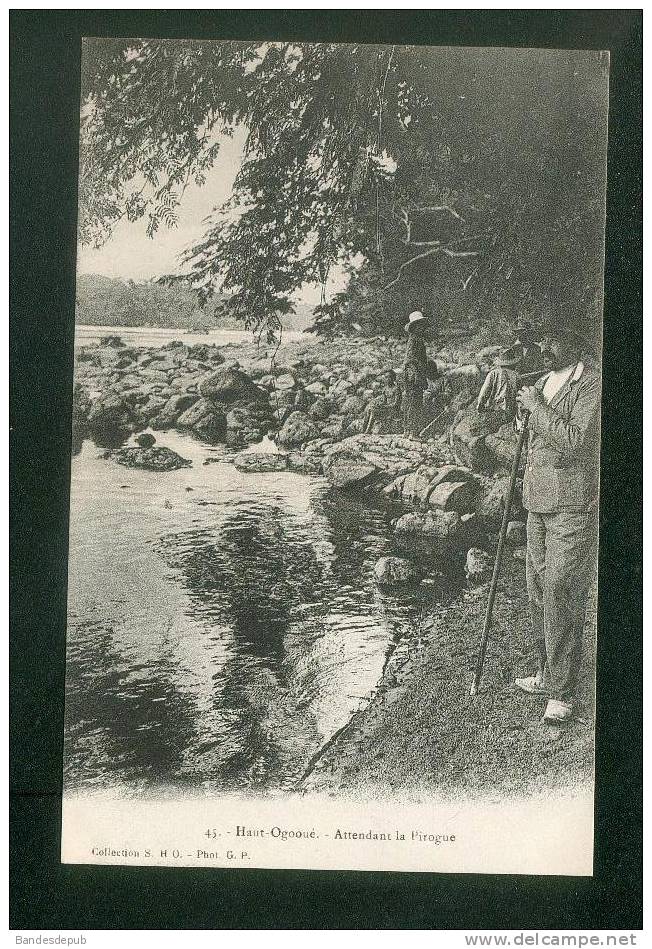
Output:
x=447 y=488
x=320 y=409
x=147 y=409
x=432 y=534
x=248 y=421
x=413 y=487
x=491 y=506
x=110 y=414
x=333 y=429
x=460 y=496
x=502 y=446
x=353 y=406
x=205 y=420
x=230 y=385
x=173 y=408
x=395 y=571
x=297 y=429
x=285 y=381
x=346 y=471
x=379 y=457
x=468 y=438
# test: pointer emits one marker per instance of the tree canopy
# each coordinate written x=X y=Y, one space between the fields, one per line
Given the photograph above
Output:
x=469 y=183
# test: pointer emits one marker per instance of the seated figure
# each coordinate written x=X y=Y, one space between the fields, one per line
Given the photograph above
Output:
x=384 y=409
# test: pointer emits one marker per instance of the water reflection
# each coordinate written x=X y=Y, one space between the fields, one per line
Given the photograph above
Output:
x=222 y=625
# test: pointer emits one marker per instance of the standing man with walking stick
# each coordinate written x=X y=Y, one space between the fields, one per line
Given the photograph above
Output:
x=560 y=493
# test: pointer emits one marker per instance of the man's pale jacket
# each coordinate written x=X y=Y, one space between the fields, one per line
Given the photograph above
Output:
x=562 y=461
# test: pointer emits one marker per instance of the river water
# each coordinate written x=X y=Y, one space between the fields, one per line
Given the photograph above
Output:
x=154 y=336
x=222 y=625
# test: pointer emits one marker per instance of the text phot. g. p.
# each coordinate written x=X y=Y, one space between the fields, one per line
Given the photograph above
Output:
x=334 y=500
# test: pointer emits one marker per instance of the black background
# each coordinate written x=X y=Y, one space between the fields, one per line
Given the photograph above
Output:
x=44 y=70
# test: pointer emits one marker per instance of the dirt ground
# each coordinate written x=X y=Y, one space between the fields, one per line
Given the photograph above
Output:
x=423 y=733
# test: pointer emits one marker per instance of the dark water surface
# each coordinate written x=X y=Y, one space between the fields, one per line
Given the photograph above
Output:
x=222 y=625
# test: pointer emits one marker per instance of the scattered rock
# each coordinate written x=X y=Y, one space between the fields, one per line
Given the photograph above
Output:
x=297 y=429
x=432 y=533
x=230 y=385
x=479 y=566
x=260 y=461
x=205 y=420
x=491 y=506
x=205 y=352
x=516 y=535
x=304 y=464
x=151 y=459
x=109 y=414
x=173 y=408
x=502 y=446
x=394 y=571
x=468 y=438
x=285 y=381
x=454 y=496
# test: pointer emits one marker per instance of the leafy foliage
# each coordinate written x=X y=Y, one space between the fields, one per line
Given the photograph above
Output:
x=346 y=147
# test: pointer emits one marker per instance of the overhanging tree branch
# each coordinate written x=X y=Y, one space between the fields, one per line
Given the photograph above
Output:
x=441 y=248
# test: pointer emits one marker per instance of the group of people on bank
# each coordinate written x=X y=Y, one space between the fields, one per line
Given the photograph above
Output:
x=551 y=382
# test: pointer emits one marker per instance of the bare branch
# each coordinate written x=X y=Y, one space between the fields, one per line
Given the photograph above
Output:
x=468 y=280
x=442 y=207
x=428 y=253
x=446 y=249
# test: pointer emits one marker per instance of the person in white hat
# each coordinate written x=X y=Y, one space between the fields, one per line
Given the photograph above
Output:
x=415 y=379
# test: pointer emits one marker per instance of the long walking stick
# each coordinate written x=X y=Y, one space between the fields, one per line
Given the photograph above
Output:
x=430 y=424
x=482 y=651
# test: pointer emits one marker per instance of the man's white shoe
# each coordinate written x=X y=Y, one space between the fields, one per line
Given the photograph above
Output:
x=557 y=711
x=531 y=684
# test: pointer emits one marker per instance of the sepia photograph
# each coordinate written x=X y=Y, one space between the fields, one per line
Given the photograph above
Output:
x=332 y=593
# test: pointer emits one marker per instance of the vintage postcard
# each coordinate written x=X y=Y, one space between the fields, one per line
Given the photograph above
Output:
x=335 y=473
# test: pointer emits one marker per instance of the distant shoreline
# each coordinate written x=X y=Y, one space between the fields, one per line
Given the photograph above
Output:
x=90 y=333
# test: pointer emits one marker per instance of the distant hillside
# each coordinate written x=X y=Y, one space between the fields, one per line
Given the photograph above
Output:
x=105 y=301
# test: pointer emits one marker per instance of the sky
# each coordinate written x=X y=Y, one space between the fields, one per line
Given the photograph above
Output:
x=131 y=255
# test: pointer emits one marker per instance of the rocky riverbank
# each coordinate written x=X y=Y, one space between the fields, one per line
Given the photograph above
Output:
x=446 y=495
x=311 y=397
